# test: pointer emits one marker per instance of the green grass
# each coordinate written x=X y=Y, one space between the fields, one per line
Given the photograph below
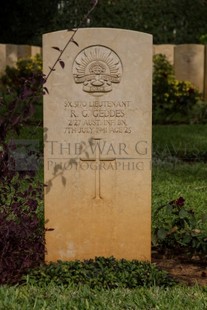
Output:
x=173 y=174
x=182 y=141
x=56 y=297
x=170 y=181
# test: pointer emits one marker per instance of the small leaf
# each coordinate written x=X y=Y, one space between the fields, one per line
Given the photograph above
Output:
x=183 y=214
x=16 y=120
x=73 y=161
x=46 y=90
x=49 y=185
x=56 y=168
x=169 y=209
x=173 y=230
x=76 y=43
x=162 y=233
x=31 y=110
x=180 y=202
x=56 y=48
x=62 y=64
x=63 y=180
x=44 y=80
x=187 y=239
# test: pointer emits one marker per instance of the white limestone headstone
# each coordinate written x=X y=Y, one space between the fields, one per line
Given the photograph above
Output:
x=97 y=119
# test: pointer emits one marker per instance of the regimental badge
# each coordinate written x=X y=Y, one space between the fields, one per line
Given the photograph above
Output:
x=97 y=68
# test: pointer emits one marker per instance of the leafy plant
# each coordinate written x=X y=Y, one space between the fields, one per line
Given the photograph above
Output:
x=106 y=273
x=26 y=75
x=203 y=39
x=173 y=100
x=177 y=229
x=21 y=229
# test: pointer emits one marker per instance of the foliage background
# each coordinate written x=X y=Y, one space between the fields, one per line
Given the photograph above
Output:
x=171 y=21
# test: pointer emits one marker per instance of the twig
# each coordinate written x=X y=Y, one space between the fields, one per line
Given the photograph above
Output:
x=71 y=39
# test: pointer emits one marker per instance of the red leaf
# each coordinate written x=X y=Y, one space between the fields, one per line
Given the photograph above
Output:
x=62 y=64
x=46 y=90
x=76 y=43
x=56 y=48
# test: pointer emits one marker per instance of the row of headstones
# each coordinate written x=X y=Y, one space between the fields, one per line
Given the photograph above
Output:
x=189 y=60
x=10 y=53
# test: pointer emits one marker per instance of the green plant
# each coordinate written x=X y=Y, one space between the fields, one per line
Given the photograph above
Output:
x=203 y=39
x=100 y=273
x=173 y=100
x=184 y=143
x=27 y=73
x=199 y=112
x=21 y=229
x=53 y=297
x=177 y=229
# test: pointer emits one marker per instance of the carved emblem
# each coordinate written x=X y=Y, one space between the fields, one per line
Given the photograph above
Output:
x=97 y=68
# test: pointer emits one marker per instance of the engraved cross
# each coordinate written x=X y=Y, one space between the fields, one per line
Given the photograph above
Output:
x=97 y=160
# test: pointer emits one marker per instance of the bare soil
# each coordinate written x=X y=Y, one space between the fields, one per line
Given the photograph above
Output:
x=183 y=270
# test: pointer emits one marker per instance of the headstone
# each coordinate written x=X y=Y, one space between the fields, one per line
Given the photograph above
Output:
x=11 y=55
x=97 y=120
x=24 y=51
x=2 y=58
x=35 y=50
x=165 y=49
x=189 y=64
x=205 y=75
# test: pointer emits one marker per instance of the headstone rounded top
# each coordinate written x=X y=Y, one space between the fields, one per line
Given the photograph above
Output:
x=99 y=30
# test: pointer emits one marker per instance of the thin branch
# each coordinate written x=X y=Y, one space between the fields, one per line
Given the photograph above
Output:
x=86 y=16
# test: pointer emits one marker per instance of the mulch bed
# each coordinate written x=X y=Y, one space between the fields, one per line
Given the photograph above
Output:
x=183 y=270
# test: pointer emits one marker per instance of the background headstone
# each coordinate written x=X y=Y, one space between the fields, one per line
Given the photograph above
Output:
x=205 y=75
x=97 y=119
x=189 y=64
x=11 y=55
x=24 y=51
x=165 y=49
x=2 y=58
x=35 y=50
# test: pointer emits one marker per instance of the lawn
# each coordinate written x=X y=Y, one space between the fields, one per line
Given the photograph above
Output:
x=179 y=165
x=61 y=298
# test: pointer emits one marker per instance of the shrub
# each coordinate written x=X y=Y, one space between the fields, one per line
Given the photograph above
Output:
x=177 y=230
x=21 y=229
x=106 y=273
x=203 y=39
x=173 y=100
x=26 y=74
